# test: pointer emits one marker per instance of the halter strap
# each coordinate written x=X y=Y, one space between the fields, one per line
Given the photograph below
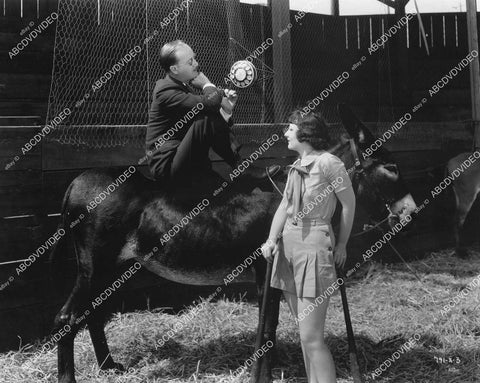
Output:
x=272 y=181
x=353 y=149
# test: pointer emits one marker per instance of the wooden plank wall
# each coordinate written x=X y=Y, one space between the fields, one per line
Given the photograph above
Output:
x=324 y=46
x=29 y=180
x=25 y=78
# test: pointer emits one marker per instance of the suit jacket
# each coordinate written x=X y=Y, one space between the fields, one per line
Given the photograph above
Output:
x=171 y=103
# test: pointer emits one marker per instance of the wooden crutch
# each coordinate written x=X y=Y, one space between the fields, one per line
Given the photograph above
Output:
x=352 y=349
x=261 y=323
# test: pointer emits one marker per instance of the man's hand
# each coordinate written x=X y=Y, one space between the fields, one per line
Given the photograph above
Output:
x=200 y=81
x=229 y=100
x=231 y=96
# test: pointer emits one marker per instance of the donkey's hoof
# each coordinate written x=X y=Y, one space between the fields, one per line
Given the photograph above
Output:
x=118 y=367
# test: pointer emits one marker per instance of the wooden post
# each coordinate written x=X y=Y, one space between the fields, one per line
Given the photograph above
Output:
x=401 y=58
x=400 y=53
x=474 y=67
x=235 y=28
x=282 y=62
x=335 y=8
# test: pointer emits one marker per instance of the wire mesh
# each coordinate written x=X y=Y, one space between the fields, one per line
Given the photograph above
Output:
x=94 y=36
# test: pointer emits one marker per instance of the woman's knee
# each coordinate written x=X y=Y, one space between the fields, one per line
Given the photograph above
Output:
x=312 y=337
x=314 y=345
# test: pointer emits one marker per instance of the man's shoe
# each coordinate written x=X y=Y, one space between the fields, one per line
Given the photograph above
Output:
x=260 y=173
x=235 y=145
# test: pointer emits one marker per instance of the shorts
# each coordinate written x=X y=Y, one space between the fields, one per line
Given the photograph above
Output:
x=304 y=265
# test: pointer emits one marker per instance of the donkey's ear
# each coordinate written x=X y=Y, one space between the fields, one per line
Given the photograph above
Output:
x=354 y=126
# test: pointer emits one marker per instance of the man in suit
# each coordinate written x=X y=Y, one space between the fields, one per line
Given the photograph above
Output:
x=182 y=126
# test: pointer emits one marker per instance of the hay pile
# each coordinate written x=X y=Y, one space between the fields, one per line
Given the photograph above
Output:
x=388 y=306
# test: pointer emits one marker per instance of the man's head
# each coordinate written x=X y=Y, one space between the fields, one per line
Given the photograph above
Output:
x=178 y=60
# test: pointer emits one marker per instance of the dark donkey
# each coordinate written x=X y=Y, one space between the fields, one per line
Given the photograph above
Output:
x=464 y=169
x=130 y=226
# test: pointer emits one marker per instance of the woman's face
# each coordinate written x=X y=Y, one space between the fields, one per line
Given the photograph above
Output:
x=291 y=136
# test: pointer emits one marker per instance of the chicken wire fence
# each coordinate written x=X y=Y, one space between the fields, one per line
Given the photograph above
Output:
x=106 y=63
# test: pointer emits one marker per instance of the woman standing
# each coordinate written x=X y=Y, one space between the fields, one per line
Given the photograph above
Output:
x=305 y=255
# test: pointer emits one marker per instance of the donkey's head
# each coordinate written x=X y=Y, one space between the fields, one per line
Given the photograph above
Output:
x=376 y=178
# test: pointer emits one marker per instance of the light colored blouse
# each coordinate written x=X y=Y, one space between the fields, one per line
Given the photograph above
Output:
x=319 y=177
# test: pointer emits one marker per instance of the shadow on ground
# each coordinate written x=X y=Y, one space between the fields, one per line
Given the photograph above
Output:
x=228 y=353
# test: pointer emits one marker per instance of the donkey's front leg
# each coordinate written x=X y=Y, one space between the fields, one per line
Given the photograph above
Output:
x=464 y=203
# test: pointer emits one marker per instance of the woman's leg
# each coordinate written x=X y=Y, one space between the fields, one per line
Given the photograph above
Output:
x=292 y=302
x=321 y=366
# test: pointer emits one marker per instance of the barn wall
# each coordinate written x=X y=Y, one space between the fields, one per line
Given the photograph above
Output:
x=374 y=86
x=25 y=77
x=322 y=47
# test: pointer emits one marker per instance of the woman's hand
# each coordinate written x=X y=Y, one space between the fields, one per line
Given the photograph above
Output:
x=269 y=250
x=340 y=255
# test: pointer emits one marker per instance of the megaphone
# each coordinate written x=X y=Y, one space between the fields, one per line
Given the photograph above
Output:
x=243 y=74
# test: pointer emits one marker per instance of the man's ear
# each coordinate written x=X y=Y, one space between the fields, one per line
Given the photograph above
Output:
x=355 y=128
x=173 y=69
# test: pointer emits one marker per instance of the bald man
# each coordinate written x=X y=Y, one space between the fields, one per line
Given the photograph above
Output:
x=183 y=126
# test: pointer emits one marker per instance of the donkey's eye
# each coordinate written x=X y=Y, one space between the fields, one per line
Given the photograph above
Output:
x=391 y=168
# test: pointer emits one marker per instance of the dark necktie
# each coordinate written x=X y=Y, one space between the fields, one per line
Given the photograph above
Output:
x=296 y=186
x=188 y=87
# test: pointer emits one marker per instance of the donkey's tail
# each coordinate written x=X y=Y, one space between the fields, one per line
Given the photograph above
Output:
x=59 y=248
